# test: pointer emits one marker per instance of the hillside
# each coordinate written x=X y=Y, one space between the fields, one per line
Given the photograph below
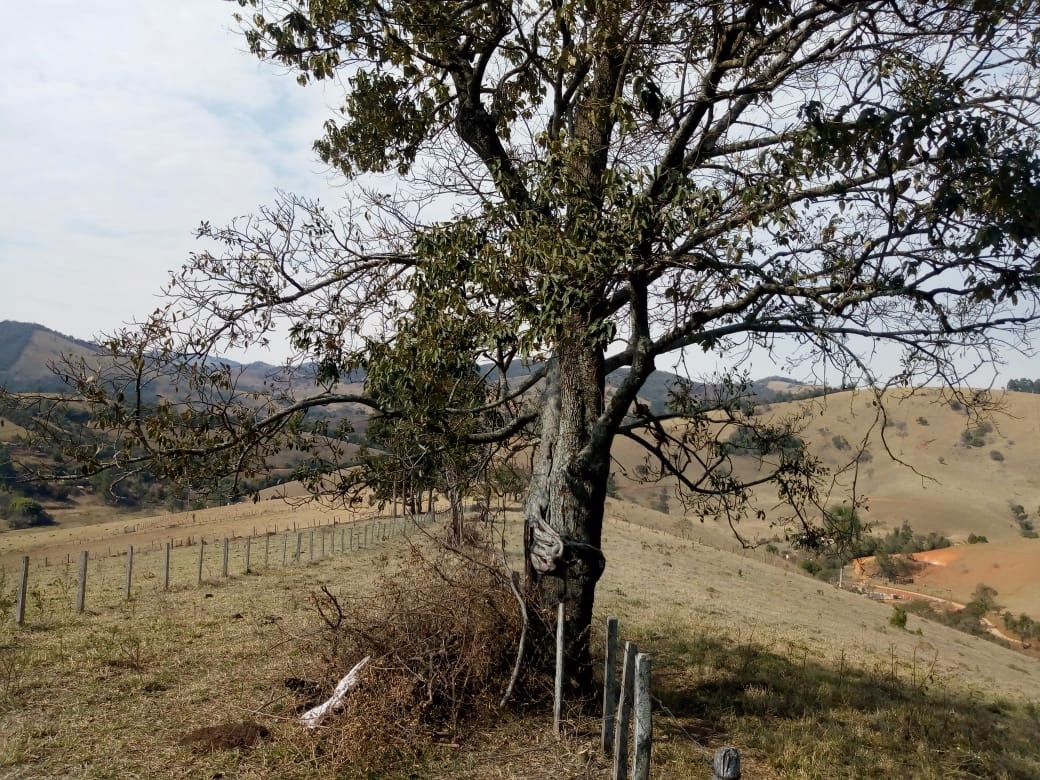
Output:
x=27 y=351
x=949 y=478
x=936 y=480
x=746 y=652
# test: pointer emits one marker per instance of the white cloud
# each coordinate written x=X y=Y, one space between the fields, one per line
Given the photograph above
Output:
x=122 y=126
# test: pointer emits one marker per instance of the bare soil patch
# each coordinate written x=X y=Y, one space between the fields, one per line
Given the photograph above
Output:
x=1012 y=568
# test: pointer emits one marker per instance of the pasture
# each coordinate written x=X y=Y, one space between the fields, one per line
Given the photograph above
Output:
x=746 y=652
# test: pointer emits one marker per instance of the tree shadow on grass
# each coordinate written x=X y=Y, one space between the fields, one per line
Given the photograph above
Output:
x=793 y=716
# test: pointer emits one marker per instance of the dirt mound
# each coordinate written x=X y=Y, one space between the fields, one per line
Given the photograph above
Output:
x=224 y=736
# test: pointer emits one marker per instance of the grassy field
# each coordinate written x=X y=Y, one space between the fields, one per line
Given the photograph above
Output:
x=942 y=483
x=806 y=680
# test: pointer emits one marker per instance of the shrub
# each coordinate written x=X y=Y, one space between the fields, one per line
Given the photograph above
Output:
x=24 y=512
x=996 y=455
x=1023 y=625
x=977 y=539
x=983 y=601
x=660 y=501
x=810 y=566
x=973 y=438
x=898 y=618
x=443 y=635
x=956 y=405
x=840 y=442
x=922 y=420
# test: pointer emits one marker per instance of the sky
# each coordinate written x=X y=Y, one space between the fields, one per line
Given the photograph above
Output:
x=123 y=125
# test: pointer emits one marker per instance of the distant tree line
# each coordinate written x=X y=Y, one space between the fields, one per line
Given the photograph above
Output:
x=1024 y=385
x=23 y=492
x=1023 y=625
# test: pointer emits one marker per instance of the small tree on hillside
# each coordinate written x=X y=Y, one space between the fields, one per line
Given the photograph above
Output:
x=581 y=187
x=22 y=512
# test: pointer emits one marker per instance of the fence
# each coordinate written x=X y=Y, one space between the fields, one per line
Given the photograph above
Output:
x=195 y=560
x=627 y=725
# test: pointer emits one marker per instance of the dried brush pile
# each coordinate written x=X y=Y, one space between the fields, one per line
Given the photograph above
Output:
x=443 y=633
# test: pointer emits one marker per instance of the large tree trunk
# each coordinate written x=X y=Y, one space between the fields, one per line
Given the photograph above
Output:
x=566 y=495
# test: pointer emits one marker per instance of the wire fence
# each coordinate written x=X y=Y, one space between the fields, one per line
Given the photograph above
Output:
x=90 y=580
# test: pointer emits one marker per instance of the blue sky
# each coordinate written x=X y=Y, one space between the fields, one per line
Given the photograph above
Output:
x=122 y=126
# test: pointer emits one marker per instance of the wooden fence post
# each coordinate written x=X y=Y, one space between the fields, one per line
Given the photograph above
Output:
x=285 y=548
x=267 y=549
x=81 y=591
x=299 y=546
x=558 y=691
x=644 y=719
x=610 y=686
x=310 y=546
x=224 y=563
x=624 y=714
x=726 y=764
x=129 y=572
x=249 y=550
x=166 y=567
x=202 y=548
x=23 y=591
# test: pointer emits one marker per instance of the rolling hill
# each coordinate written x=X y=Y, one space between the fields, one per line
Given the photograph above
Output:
x=27 y=351
x=801 y=677
x=930 y=465
x=934 y=468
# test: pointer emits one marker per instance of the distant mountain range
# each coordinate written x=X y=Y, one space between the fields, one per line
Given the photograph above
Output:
x=27 y=350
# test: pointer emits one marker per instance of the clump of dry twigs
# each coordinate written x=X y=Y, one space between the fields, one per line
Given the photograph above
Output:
x=443 y=633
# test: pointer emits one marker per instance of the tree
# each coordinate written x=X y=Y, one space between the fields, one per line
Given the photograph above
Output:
x=22 y=512
x=1024 y=385
x=983 y=600
x=585 y=186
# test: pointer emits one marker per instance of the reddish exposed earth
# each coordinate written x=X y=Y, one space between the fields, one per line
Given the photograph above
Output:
x=1011 y=567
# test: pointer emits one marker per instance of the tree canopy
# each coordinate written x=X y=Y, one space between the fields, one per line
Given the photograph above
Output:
x=1024 y=385
x=584 y=185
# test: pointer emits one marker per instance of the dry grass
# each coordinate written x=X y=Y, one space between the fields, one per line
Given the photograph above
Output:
x=952 y=488
x=801 y=677
x=442 y=633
